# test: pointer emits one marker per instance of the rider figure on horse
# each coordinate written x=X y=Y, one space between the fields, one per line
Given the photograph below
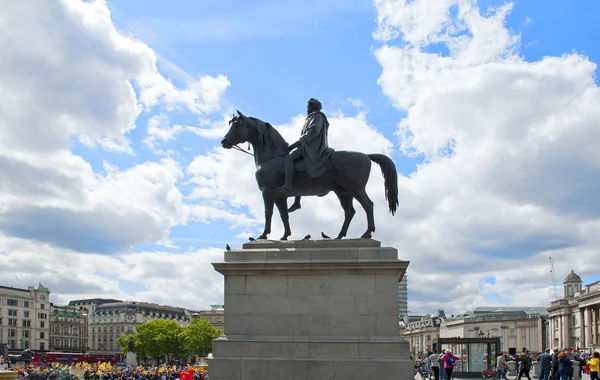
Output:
x=312 y=146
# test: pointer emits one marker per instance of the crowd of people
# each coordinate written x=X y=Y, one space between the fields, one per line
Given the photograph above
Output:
x=107 y=371
x=552 y=364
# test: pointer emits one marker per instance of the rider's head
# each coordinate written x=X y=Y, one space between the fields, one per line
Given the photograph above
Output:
x=313 y=105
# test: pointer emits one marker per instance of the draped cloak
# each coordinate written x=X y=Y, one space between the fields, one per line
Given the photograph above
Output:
x=314 y=147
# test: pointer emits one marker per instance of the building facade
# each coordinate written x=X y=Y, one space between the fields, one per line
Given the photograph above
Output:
x=573 y=320
x=68 y=329
x=519 y=328
x=24 y=317
x=113 y=319
x=215 y=316
x=403 y=297
x=422 y=333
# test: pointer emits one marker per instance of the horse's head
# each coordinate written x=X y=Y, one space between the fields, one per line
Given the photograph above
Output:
x=238 y=132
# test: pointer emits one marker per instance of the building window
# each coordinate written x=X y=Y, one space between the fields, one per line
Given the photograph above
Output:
x=11 y=302
x=42 y=347
x=26 y=314
x=12 y=313
x=42 y=306
x=12 y=333
x=12 y=322
x=66 y=344
x=56 y=343
x=25 y=333
x=42 y=324
x=26 y=304
x=26 y=323
x=42 y=316
x=74 y=345
x=42 y=335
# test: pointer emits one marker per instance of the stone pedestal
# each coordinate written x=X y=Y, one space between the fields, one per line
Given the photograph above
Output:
x=309 y=310
x=131 y=359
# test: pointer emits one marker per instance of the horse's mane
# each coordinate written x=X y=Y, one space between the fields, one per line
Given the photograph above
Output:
x=268 y=135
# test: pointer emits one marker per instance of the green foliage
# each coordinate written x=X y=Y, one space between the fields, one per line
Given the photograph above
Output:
x=199 y=336
x=160 y=338
x=123 y=341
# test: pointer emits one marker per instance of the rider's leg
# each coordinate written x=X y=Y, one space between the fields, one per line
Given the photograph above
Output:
x=288 y=166
x=296 y=205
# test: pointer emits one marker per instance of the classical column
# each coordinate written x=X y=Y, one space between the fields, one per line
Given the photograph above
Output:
x=594 y=326
x=566 y=331
x=587 y=320
x=519 y=342
x=581 y=327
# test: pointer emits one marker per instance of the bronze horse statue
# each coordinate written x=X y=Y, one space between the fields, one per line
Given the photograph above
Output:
x=347 y=175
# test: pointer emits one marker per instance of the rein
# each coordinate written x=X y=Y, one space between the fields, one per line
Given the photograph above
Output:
x=242 y=150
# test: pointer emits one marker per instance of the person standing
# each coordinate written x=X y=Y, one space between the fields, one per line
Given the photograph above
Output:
x=435 y=365
x=545 y=361
x=594 y=364
x=501 y=366
x=449 y=362
x=565 y=366
x=524 y=366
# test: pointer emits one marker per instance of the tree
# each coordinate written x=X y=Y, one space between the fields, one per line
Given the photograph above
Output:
x=156 y=339
x=123 y=341
x=199 y=336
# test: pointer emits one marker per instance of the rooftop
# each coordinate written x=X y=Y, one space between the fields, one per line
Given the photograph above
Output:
x=11 y=288
x=92 y=301
x=138 y=306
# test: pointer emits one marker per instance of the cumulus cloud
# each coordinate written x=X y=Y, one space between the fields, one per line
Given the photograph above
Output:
x=509 y=166
x=511 y=172
x=72 y=77
x=508 y=177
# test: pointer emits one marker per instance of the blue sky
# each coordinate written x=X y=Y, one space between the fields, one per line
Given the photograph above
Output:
x=308 y=49
x=517 y=186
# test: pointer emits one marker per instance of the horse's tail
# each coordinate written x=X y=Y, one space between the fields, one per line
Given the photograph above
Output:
x=390 y=177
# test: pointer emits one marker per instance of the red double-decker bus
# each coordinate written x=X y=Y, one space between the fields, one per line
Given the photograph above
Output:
x=68 y=357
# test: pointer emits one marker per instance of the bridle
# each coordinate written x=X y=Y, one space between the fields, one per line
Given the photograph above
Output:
x=236 y=147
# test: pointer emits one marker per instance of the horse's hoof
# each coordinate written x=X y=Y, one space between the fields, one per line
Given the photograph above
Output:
x=366 y=235
x=283 y=238
x=262 y=237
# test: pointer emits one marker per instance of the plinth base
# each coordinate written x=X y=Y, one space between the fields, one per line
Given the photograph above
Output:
x=131 y=359
x=311 y=310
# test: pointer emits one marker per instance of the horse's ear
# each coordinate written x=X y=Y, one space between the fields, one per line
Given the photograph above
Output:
x=241 y=114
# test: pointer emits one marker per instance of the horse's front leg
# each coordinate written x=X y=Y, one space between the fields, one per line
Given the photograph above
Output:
x=281 y=204
x=269 y=201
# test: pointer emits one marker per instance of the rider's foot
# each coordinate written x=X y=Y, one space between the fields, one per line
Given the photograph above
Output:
x=283 y=188
x=294 y=207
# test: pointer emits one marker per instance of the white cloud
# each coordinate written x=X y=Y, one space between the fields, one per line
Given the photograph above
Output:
x=72 y=77
x=509 y=176
x=511 y=170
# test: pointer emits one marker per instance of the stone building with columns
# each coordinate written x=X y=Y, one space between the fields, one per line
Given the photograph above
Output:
x=573 y=319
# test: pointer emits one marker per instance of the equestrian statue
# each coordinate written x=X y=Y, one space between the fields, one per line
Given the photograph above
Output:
x=309 y=167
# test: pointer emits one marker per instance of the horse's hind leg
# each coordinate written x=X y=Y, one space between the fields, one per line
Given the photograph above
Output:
x=364 y=200
x=268 y=200
x=349 y=211
x=281 y=204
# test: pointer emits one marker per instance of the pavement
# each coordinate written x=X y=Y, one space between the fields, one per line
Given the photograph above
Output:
x=585 y=377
